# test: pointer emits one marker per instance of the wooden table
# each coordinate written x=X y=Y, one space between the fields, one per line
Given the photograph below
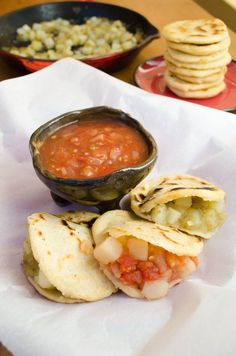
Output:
x=159 y=13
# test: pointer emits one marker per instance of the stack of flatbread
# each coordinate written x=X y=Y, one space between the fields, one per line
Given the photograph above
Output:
x=196 y=57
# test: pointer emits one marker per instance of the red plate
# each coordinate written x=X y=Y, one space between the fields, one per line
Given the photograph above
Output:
x=149 y=76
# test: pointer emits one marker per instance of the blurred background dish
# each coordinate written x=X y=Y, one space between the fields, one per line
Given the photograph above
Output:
x=150 y=77
x=75 y=12
x=196 y=57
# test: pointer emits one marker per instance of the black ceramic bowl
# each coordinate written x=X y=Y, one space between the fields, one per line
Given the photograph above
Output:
x=76 y=12
x=104 y=192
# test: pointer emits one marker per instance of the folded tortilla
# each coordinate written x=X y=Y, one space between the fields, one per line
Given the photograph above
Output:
x=141 y=258
x=188 y=203
x=58 y=260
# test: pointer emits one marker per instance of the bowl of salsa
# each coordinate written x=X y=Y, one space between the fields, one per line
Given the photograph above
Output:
x=93 y=156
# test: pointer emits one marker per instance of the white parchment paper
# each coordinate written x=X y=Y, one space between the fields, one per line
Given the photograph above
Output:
x=198 y=317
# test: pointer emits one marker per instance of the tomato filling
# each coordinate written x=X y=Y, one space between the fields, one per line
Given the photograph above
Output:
x=92 y=148
x=160 y=264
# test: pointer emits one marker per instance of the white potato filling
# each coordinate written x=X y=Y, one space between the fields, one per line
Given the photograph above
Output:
x=42 y=281
x=155 y=289
x=59 y=38
x=138 y=249
x=108 y=251
x=190 y=214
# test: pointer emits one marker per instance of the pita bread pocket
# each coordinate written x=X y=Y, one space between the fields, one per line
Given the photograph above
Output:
x=58 y=261
x=189 y=203
x=141 y=258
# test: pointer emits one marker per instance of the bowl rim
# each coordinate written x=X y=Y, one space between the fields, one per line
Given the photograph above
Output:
x=49 y=176
x=144 y=42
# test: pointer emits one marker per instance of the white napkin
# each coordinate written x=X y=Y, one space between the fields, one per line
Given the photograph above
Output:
x=198 y=316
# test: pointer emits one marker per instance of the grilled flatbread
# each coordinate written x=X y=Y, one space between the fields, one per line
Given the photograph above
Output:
x=181 y=85
x=141 y=258
x=201 y=80
x=189 y=72
x=31 y=270
x=219 y=63
x=200 y=50
x=199 y=94
x=189 y=58
x=204 y=31
x=79 y=216
x=189 y=203
x=58 y=261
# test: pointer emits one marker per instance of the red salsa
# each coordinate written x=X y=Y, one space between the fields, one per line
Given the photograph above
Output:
x=92 y=148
